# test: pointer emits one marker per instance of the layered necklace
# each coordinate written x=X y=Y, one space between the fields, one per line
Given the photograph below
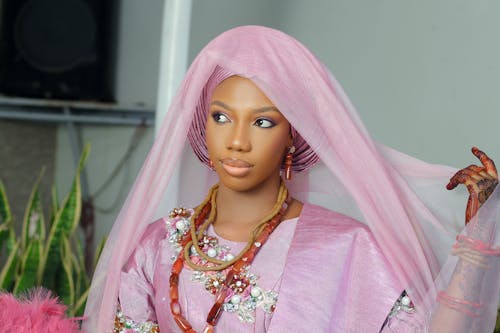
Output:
x=202 y=218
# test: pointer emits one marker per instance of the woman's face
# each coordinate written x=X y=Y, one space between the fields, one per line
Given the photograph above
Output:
x=247 y=137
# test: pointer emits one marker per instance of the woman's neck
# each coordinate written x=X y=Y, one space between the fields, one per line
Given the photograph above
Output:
x=239 y=212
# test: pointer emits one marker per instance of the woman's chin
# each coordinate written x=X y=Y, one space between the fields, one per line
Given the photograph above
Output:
x=247 y=183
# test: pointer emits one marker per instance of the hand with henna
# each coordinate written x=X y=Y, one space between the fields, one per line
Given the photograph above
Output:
x=479 y=180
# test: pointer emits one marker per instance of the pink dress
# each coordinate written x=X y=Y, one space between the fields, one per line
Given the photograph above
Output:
x=321 y=272
x=335 y=277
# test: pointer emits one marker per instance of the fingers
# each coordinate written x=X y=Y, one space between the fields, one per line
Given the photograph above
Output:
x=461 y=177
x=481 y=171
x=452 y=184
x=480 y=182
x=488 y=163
x=475 y=168
x=472 y=175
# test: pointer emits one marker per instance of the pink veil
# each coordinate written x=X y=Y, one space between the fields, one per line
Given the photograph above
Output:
x=403 y=200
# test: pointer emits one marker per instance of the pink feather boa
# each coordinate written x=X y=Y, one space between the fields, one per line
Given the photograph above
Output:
x=37 y=312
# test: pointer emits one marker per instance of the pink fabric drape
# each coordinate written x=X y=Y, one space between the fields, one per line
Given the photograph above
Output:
x=402 y=200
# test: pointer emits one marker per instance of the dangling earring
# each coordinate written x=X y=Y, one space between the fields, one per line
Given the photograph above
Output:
x=211 y=164
x=288 y=163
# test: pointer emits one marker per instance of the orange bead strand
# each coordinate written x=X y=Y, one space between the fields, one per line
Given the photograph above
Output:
x=263 y=232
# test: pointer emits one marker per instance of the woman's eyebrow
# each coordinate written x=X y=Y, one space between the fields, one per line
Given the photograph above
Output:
x=222 y=105
x=266 y=109
x=258 y=110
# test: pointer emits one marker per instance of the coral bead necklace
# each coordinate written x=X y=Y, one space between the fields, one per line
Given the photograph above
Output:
x=202 y=218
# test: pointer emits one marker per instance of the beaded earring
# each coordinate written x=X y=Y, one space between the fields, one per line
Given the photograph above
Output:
x=288 y=163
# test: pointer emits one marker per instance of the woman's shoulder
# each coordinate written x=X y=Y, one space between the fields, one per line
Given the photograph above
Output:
x=319 y=224
x=322 y=217
x=328 y=230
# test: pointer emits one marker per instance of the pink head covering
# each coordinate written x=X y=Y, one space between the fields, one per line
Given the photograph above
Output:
x=401 y=199
x=303 y=158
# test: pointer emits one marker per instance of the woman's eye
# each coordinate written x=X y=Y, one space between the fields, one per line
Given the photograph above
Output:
x=220 y=118
x=264 y=123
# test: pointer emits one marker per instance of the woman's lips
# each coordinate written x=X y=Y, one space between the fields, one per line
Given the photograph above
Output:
x=236 y=167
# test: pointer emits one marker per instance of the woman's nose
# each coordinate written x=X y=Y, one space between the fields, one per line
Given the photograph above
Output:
x=239 y=139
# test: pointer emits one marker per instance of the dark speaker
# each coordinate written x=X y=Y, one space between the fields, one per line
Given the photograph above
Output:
x=55 y=49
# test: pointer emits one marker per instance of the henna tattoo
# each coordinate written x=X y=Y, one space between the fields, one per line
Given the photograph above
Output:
x=480 y=182
x=485 y=194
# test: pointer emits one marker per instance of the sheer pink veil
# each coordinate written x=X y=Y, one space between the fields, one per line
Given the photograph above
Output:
x=403 y=200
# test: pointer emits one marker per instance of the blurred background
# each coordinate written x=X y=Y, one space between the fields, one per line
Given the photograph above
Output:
x=424 y=76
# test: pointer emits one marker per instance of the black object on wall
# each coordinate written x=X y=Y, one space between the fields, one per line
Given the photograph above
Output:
x=55 y=49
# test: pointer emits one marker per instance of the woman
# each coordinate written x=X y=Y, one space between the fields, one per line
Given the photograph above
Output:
x=253 y=102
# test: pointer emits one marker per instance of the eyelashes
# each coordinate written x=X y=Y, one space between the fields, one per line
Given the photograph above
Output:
x=264 y=123
x=222 y=118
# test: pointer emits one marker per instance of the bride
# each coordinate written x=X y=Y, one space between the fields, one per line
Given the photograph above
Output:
x=306 y=224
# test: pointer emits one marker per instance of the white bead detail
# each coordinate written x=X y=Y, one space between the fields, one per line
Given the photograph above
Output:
x=236 y=299
x=125 y=324
x=180 y=225
x=405 y=300
x=229 y=257
x=255 y=292
x=211 y=253
x=258 y=244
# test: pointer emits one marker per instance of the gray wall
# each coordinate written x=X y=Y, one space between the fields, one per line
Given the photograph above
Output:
x=26 y=148
x=423 y=75
x=210 y=18
x=138 y=51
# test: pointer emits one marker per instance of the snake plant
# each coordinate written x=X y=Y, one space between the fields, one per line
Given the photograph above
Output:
x=52 y=260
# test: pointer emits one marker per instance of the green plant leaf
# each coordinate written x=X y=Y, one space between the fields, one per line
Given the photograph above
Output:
x=33 y=222
x=64 y=224
x=65 y=287
x=77 y=273
x=98 y=252
x=54 y=205
x=79 y=306
x=29 y=267
x=12 y=240
x=79 y=256
x=8 y=273
x=5 y=217
x=5 y=231
x=78 y=260
x=5 y=213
